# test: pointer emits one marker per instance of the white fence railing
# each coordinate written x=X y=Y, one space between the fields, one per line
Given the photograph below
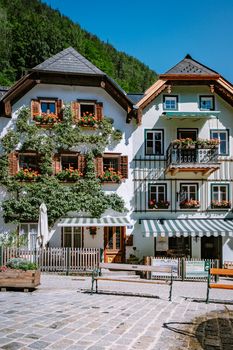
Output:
x=57 y=259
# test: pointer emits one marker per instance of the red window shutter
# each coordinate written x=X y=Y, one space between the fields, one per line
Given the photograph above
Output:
x=99 y=166
x=75 y=112
x=13 y=163
x=99 y=111
x=56 y=163
x=124 y=166
x=59 y=108
x=81 y=163
x=35 y=107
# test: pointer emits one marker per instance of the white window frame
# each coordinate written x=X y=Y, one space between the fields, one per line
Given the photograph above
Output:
x=29 y=234
x=188 y=192
x=207 y=98
x=220 y=185
x=167 y=98
x=48 y=101
x=154 y=132
x=157 y=192
x=89 y=104
x=222 y=131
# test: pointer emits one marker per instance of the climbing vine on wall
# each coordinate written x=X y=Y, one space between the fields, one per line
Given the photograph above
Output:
x=85 y=195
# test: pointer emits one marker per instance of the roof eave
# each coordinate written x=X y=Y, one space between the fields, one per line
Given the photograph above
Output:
x=189 y=76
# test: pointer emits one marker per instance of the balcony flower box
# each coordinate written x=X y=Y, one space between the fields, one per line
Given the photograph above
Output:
x=27 y=175
x=111 y=175
x=221 y=204
x=19 y=273
x=88 y=120
x=159 y=205
x=207 y=144
x=184 y=143
x=69 y=175
x=190 y=204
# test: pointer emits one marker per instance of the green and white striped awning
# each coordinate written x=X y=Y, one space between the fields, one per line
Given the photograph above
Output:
x=194 y=227
x=101 y=222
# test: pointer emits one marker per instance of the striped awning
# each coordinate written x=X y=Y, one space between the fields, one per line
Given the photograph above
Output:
x=101 y=222
x=194 y=227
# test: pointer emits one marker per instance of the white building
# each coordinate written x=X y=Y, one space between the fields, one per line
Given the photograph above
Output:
x=178 y=194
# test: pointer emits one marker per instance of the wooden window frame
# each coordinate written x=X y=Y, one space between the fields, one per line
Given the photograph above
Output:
x=113 y=156
x=27 y=154
x=87 y=103
x=74 y=155
x=162 y=141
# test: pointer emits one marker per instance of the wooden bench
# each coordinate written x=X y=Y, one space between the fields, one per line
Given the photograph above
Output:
x=96 y=275
x=218 y=272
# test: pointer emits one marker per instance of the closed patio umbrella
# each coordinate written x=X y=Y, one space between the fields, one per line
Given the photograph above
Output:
x=43 y=230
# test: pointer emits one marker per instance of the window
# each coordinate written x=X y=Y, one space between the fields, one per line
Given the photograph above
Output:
x=29 y=161
x=87 y=108
x=220 y=196
x=207 y=103
x=158 y=197
x=188 y=196
x=110 y=163
x=154 y=142
x=69 y=161
x=170 y=102
x=28 y=235
x=48 y=107
x=71 y=237
x=223 y=137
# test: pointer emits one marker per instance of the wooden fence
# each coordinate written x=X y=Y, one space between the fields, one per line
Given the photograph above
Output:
x=57 y=259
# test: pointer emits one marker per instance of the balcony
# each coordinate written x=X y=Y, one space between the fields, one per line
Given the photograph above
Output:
x=194 y=157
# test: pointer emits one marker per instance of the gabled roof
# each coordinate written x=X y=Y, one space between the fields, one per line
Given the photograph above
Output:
x=190 y=66
x=68 y=61
x=188 y=72
x=135 y=97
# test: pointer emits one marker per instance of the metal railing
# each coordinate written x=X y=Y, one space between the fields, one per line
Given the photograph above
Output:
x=195 y=154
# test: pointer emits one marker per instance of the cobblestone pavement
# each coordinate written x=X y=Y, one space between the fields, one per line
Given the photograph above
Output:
x=61 y=315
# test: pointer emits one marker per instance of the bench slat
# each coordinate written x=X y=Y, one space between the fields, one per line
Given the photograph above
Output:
x=130 y=280
x=221 y=286
x=129 y=267
x=221 y=272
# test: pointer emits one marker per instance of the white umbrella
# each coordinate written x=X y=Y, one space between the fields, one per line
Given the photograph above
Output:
x=43 y=230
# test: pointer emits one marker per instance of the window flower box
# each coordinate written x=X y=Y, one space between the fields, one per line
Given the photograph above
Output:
x=190 y=204
x=47 y=119
x=19 y=273
x=220 y=204
x=27 y=175
x=200 y=143
x=111 y=175
x=88 y=120
x=69 y=174
x=159 y=205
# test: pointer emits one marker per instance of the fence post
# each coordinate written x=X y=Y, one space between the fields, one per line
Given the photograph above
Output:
x=67 y=261
x=182 y=269
x=101 y=255
x=1 y=255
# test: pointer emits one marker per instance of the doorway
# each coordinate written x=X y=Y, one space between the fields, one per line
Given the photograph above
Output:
x=114 y=244
x=211 y=247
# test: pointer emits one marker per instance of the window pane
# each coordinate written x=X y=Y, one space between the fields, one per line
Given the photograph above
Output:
x=149 y=135
x=52 y=108
x=223 y=147
x=110 y=237
x=118 y=238
x=28 y=162
x=110 y=163
x=223 y=136
x=69 y=162
x=44 y=107
x=158 y=148
x=87 y=108
x=77 y=240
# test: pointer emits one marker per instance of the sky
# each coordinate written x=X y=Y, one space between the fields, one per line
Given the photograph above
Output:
x=158 y=32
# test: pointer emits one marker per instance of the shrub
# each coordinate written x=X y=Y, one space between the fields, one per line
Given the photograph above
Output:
x=21 y=264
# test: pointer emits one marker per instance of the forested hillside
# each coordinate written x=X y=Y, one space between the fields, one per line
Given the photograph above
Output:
x=30 y=32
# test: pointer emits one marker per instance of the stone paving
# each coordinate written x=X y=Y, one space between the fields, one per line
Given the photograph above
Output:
x=62 y=315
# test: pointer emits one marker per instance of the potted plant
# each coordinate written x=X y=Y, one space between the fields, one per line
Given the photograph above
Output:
x=19 y=273
x=27 y=174
x=224 y=204
x=158 y=205
x=190 y=204
x=110 y=175
x=69 y=174
x=88 y=120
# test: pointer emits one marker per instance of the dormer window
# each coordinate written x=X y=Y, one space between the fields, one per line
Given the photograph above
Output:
x=170 y=102
x=207 y=103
